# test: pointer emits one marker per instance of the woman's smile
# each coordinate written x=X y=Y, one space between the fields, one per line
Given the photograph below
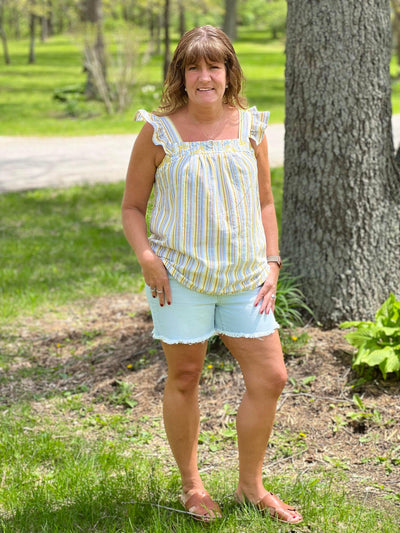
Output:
x=205 y=80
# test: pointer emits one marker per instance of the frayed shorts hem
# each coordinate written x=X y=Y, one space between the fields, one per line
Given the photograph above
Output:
x=204 y=338
x=194 y=317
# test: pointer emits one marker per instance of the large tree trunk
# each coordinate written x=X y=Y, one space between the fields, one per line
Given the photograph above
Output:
x=230 y=19
x=341 y=206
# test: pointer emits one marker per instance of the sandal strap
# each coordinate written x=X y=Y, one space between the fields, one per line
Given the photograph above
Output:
x=277 y=502
x=278 y=509
x=201 y=504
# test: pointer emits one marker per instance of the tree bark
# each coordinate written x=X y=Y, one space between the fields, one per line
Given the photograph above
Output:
x=32 y=27
x=93 y=16
x=167 y=53
x=182 y=17
x=341 y=203
x=3 y=35
x=396 y=26
x=44 y=28
x=50 y=16
x=230 y=19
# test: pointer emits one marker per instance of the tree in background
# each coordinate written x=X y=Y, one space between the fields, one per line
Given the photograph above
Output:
x=230 y=19
x=341 y=204
x=167 y=52
x=264 y=15
x=182 y=17
x=3 y=34
x=95 y=55
x=396 y=26
x=32 y=29
x=38 y=12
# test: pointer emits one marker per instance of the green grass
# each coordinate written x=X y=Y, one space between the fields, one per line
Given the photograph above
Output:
x=69 y=463
x=27 y=106
x=61 y=245
x=67 y=467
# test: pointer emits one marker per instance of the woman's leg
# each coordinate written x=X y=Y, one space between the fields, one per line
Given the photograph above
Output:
x=264 y=374
x=182 y=421
x=181 y=408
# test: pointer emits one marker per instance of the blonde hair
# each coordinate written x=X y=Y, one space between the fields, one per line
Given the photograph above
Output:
x=213 y=45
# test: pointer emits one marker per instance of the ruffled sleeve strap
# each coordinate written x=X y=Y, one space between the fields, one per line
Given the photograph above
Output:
x=258 y=124
x=160 y=136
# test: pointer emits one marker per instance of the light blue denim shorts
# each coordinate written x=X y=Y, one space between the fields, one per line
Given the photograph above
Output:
x=195 y=317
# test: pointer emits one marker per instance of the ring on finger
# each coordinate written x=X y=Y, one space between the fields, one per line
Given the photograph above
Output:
x=273 y=296
x=153 y=289
x=159 y=292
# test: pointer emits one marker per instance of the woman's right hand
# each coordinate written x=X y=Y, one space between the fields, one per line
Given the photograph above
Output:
x=156 y=277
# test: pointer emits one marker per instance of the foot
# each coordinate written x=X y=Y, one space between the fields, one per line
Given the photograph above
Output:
x=278 y=509
x=200 y=505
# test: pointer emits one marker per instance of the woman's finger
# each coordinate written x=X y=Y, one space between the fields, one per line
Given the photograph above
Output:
x=162 y=292
x=267 y=297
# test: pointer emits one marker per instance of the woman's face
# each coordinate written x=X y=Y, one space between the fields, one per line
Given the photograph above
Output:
x=205 y=82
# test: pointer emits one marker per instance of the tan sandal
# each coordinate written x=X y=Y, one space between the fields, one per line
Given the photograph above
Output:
x=279 y=510
x=200 y=506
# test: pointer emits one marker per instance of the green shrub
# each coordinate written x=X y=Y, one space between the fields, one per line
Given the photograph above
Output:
x=378 y=342
x=290 y=301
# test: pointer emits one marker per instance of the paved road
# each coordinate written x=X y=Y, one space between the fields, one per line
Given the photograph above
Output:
x=34 y=162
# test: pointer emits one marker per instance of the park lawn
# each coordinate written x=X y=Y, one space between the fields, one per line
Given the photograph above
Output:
x=70 y=464
x=27 y=104
x=80 y=448
x=28 y=107
x=61 y=245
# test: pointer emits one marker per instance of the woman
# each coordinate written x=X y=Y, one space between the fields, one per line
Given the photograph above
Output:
x=205 y=263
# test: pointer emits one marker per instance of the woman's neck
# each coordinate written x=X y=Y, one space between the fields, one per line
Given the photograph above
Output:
x=206 y=114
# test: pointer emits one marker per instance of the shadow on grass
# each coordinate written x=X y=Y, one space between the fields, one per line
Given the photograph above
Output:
x=62 y=245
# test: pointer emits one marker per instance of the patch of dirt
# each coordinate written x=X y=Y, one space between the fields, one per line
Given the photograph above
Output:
x=319 y=425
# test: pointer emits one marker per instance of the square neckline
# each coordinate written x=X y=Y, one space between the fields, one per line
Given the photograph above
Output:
x=179 y=137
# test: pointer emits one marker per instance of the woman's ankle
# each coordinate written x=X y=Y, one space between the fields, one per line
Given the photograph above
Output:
x=252 y=492
x=192 y=486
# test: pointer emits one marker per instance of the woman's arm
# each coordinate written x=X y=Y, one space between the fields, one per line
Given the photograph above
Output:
x=142 y=167
x=270 y=226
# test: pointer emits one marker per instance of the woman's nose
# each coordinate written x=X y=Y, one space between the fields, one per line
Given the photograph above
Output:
x=205 y=74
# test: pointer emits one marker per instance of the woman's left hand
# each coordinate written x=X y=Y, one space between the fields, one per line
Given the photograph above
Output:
x=267 y=294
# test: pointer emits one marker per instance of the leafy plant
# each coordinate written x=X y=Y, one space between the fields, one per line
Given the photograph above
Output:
x=123 y=395
x=290 y=301
x=293 y=342
x=303 y=385
x=378 y=342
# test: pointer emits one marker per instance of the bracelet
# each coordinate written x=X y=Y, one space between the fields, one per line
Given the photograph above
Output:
x=274 y=259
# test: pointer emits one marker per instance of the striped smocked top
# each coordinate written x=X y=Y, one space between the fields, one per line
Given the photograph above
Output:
x=206 y=219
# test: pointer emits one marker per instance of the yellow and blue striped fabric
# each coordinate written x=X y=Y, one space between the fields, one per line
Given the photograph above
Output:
x=206 y=219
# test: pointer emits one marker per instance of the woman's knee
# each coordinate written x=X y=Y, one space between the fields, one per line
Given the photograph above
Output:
x=185 y=379
x=279 y=380
x=268 y=384
x=185 y=365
